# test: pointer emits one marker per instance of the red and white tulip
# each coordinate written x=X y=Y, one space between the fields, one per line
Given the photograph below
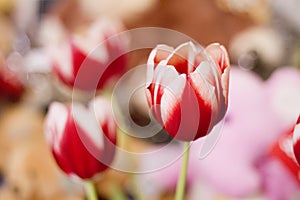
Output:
x=88 y=63
x=296 y=140
x=11 y=85
x=187 y=88
x=82 y=139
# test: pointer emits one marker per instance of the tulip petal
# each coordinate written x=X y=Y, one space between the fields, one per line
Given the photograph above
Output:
x=101 y=34
x=58 y=115
x=86 y=46
x=225 y=84
x=296 y=140
x=219 y=55
x=163 y=78
x=182 y=58
x=63 y=62
x=88 y=63
x=206 y=81
x=206 y=71
x=163 y=51
x=296 y=135
x=87 y=121
x=77 y=140
x=102 y=110
x=170 y=103
x=79 y=156
x=158 y=54
x=207 y=97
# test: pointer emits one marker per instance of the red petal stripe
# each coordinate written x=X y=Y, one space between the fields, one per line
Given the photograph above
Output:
x=180 y=63
x=190 y=117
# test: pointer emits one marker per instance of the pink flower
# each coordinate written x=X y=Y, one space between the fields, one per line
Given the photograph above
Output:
x=89 y=63
x=296 y=140
x=82 y=142
x=187 y=88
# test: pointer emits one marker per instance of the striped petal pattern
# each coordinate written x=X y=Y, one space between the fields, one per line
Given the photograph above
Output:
x=88 y=63
x=187 y=88
x=82 y=139
x=11 y=86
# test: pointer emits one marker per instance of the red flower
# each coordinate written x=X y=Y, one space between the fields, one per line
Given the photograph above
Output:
x=82 y=142
x=89 y=63
x=187 y=88
x=11 y=85
x=296 y=140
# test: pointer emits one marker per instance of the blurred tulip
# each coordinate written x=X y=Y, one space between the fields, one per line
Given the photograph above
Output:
x=89 y=63
x=296 y=140
x=10 y=84
x=187 y=88
x=82 y=142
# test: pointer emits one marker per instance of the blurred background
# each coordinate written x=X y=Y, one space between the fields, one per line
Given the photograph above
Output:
x=250 y=160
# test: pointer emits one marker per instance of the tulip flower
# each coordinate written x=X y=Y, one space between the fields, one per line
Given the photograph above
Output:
x=187 y=88
x=296 y=140
x=11 y=85
x=88 y=63
x=82 y=139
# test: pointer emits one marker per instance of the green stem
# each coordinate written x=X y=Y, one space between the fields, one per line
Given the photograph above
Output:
x=90 y=190
x=117 y=193
x=136 y=193
x=180 y=189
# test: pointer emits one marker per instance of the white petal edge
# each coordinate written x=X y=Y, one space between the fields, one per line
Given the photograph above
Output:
x=164 y=75
x=206 y=71
x=212 y=75
x=191 y=57
x=151 y=64
x=150 y=67
x=216 y=70
x=86 y=120
x=191 y=53
x=206 y=90
x=172 y=94
x=55 y=124
x=225 y=83
x=102 y=109
x=296 y=134
x=93 y=44
x=63 y=59
x=92 y=48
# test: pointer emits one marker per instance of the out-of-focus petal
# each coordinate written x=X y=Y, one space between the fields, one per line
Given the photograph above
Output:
x=296 y=140
x=89 y=63
x=81 y=146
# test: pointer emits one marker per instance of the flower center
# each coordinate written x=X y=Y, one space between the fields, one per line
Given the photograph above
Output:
x=180 y=63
